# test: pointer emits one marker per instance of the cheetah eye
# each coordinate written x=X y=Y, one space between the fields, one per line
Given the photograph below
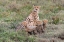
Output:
x=37 y=7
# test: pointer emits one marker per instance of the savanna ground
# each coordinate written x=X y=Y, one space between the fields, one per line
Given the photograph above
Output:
x=12 y=12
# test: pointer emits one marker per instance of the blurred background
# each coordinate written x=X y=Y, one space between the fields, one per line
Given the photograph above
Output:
x=12 y=12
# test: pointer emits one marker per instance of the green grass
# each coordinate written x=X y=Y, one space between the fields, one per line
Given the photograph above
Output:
x=12 y=12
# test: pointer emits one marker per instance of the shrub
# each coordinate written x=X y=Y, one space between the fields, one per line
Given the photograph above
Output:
x=55 y=20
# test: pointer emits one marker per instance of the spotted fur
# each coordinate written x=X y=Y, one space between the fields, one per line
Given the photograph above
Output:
x=34 y=14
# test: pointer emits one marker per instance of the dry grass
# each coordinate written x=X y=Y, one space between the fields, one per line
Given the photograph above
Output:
x=12 y=12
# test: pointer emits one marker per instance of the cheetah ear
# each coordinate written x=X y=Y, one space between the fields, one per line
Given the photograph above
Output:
x=33 y=5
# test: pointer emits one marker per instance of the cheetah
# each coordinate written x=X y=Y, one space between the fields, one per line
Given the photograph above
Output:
x=41 y=25
x=34 y=14
x=29 y=22
x=45 y=21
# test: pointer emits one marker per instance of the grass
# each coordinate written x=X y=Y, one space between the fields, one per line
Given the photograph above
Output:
x=12 y=12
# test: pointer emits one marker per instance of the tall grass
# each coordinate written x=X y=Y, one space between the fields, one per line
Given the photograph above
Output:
x=12 y=12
